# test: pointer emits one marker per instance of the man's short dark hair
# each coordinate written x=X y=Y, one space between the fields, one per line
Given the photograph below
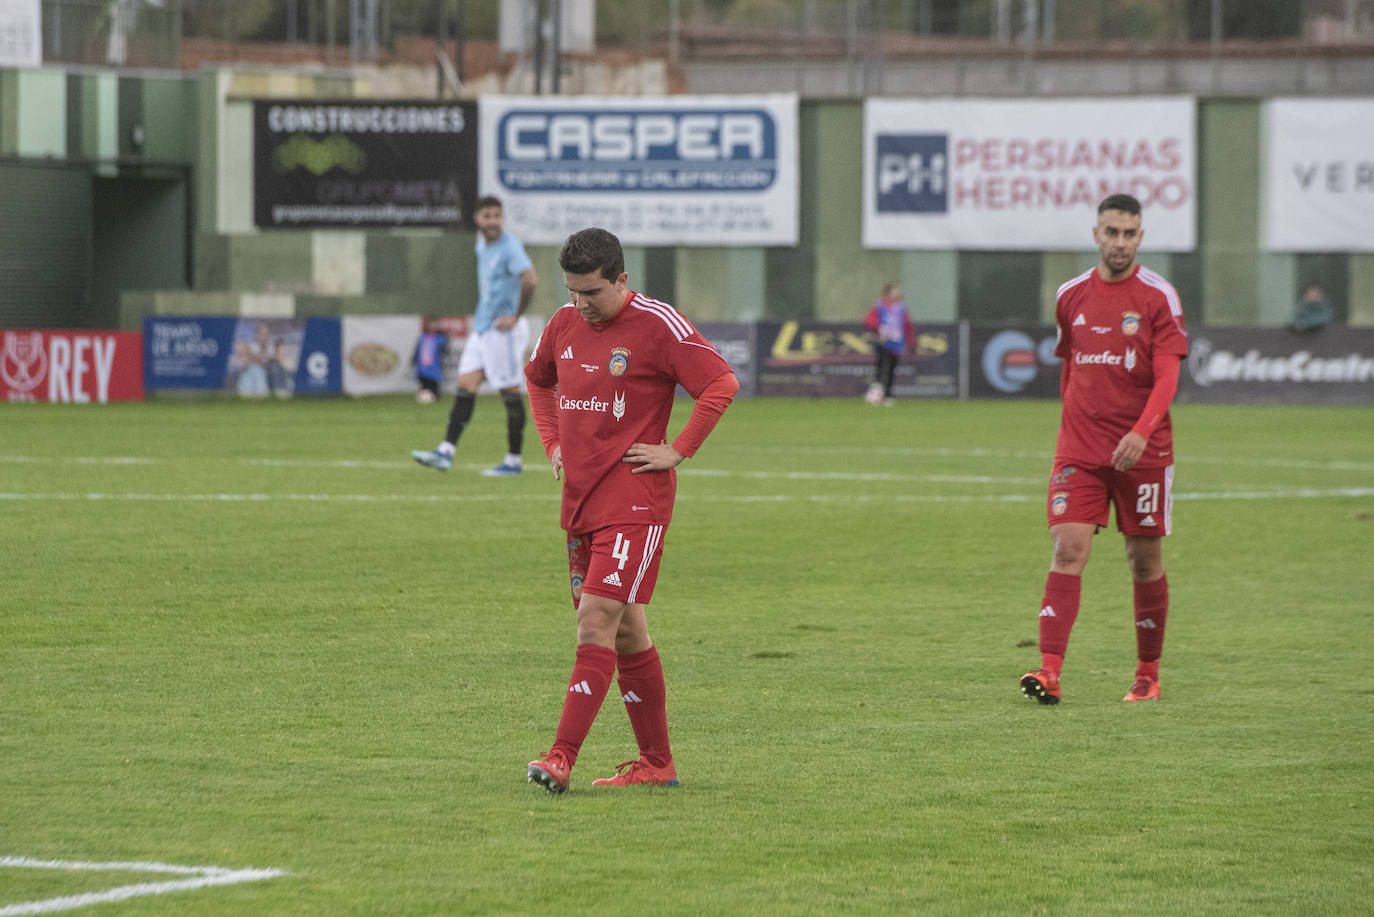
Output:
x=487 y=200
x=593 y=250
x=1123 y=202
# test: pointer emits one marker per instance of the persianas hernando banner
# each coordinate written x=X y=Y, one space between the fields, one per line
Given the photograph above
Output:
x=670 y=170
x=77 y=367
x=1319 y=175
x=1026 y=174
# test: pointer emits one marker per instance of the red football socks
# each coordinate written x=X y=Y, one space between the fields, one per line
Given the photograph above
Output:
x=1151 y=608
x=1058 y=611
x=646 y=701
x=591 y=678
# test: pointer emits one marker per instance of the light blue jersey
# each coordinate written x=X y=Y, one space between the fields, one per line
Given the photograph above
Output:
x=499 y=266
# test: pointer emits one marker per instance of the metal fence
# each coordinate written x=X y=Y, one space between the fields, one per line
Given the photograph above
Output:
x=148 y=33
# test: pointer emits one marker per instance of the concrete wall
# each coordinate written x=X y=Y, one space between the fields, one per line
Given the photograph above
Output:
x=203 y=123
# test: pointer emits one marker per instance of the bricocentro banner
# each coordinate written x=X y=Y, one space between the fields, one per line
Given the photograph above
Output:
x=1278 y=366
x=363 y=163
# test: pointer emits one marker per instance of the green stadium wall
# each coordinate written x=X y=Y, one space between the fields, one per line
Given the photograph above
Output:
x=177 y=150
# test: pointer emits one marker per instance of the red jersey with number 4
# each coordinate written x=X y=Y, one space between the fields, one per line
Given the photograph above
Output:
x=1109 y=334
x=615 y=384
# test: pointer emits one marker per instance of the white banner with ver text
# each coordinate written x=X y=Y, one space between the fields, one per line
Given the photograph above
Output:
x=672 y=170
x=1025 y=175
x=1319 y=175
x=21 y=33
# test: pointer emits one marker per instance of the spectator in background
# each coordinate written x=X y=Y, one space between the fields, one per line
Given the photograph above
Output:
x=891 y=322
x=1312 y=312
x=428 y=360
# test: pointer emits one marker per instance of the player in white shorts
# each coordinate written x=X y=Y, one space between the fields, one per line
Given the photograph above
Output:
x=495 y=350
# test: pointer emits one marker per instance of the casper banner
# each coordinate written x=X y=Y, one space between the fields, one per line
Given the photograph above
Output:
x=1319 y=175
x=700 y=170
x=78 y=367
x=363 y=163
x=1025 y=175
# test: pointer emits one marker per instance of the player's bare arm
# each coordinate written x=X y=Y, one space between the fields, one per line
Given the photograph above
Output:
x=652 y=458
x=1128 y=451
x=556 y=460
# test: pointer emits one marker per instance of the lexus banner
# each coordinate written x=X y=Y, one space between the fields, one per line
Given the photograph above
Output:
x=833 y=359
x=363 y=163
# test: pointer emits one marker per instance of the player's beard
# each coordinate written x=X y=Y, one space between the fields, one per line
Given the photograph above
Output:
x=1120 y=263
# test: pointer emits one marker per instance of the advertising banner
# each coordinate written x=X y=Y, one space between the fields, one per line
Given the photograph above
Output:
x=74 y=367
x=21 y=33
x=734 y=342
x=1012 y=362
x=1025 y=174
x=672 y=170
x=377 y=351
x=1278 y=366
x=254 y=357
x=363 y=163
x=829 y=359
x=1319 y=175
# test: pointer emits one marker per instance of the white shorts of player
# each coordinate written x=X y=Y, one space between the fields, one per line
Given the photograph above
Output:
x=498 y=354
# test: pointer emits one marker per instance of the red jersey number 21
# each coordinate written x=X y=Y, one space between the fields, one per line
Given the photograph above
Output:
x=621 y=551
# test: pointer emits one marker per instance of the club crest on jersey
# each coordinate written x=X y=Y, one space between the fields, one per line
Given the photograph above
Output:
x=1130 y=323
x=620 y=360
x=1059 y=505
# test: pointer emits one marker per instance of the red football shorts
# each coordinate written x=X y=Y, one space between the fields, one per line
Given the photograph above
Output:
x=1144 y=497
x=619 y=562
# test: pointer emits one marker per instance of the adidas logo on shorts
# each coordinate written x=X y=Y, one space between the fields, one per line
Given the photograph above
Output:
x=612 y=580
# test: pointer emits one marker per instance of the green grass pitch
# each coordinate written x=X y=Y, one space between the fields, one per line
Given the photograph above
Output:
x=256 y=635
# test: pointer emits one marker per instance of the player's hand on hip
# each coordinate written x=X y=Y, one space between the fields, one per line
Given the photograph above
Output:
x=503 y=322
x=652 y=458
x=556 y=460
x=1128 y=451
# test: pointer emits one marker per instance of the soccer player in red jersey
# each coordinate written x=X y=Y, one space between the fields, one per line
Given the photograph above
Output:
x=601 y=383
x=1121 y=337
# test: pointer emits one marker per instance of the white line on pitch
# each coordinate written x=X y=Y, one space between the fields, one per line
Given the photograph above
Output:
x=1042 y=456
x=1281 y=494
x=199 y=877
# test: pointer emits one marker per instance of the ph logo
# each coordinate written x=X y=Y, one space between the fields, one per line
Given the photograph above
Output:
x=913 y=173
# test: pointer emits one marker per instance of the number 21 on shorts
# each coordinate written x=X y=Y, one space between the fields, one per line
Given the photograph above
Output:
x=1147 y=500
